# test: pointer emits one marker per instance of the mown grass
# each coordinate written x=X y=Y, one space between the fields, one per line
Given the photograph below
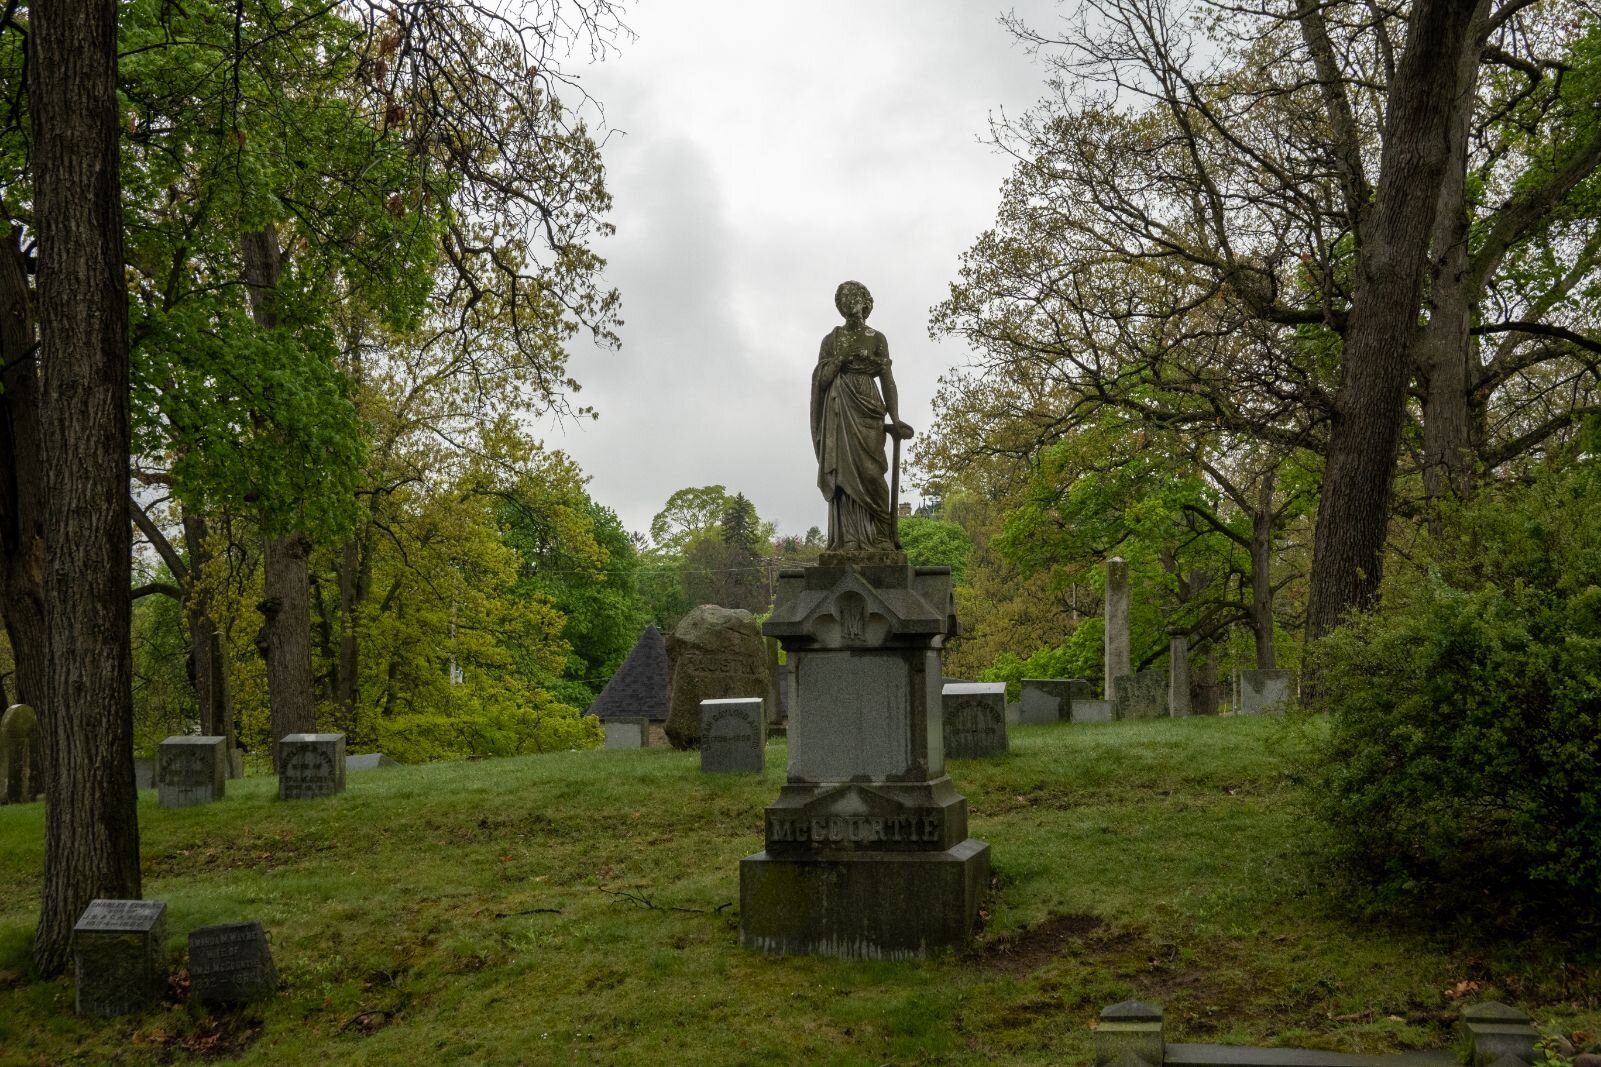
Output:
x=582 y=908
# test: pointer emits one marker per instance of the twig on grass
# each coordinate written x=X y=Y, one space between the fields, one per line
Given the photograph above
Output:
x=529 y=911
x=646 y=902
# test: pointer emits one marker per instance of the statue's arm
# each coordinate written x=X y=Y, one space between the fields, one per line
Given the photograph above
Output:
x=892 y=400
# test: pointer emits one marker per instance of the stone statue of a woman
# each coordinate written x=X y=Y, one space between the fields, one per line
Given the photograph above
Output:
x=848 y=426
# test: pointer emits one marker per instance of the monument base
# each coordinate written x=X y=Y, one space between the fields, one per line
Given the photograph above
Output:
x=862 y=905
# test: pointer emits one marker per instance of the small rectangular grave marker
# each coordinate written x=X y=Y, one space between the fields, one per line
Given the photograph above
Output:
x=1262 y=692
x=1087 y=710
x=627 y=733
x=230 y=963
x=1045 y=700
x=191 y=770
x=975 y=719
x=733 y=735
x=311 y=765
x=367 y=761
x=1142 y=695
x=119 y=956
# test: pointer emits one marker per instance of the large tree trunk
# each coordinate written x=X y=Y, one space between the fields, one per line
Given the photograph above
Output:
x=86 y=716
x=1365 y=433
x=1262 y=573
x=350 y=594
x=21 y=478
x=285 y=637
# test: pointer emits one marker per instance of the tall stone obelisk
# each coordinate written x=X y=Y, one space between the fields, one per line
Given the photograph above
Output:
x=1117 y=605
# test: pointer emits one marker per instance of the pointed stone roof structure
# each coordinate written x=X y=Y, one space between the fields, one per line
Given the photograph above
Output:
x=639 y=688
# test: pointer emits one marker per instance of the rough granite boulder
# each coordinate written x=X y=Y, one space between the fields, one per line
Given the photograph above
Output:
x=715 y=653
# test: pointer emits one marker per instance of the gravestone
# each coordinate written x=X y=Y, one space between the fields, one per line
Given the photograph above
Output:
x=21 y=756
x=230 y=964
x=1014 y=713
x=311 y=765
x=1142 y=695
x=1178 y=676
x=1045 y=700
x=1262 y=692
x=1116 y=639
x=144 y=774
x=119 y=955
x=626 y=733
x=639 y=688
x=975 y=719
x=191 y=770
x=733 y=735
x=1080 y=689
x=1092 y=710
x=367 y=761
x=867 y=853
x=715 y=653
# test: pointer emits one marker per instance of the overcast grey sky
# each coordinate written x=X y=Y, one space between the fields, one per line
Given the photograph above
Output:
x=764 y=153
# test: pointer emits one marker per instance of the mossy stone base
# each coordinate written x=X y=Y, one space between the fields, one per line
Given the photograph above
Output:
x=862 y=905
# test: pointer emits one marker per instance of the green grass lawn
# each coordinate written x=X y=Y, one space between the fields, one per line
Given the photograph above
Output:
x=582 y=908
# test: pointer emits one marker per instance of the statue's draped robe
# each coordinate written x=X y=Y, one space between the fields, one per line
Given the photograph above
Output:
x=848 y=435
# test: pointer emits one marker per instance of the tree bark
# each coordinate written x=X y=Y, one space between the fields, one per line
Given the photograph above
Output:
x=1262 y=572
x=285 y=638
x=86 y=717
x=21 y=478
x=1365 y=433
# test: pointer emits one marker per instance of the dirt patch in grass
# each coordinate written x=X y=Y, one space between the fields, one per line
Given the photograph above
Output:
x=1034 y=946
x=223 y=1036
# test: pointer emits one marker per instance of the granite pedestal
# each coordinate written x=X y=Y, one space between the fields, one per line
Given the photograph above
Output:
x=867 y=855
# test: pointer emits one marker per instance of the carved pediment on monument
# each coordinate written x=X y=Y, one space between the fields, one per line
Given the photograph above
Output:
x=842 y=608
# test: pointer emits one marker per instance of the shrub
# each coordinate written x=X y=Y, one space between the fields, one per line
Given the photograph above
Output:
x=425 y=737
x=1462 y=769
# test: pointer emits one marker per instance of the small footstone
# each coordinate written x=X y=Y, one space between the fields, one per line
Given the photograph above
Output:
x=119 y=956
x=230 y=964
x=626 y=733
x=733 y=735
x=975 y=719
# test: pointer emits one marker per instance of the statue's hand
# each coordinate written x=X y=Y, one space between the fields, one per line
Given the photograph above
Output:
x=903 y=430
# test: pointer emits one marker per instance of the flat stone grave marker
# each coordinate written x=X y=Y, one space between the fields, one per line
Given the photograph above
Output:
x=975 y=719
x=367 y=761
x=733 y=735
x=1142 y=695
x=1045 y=700
x=119 y=956
x=311 y=765
x=191 y=770
x=626 y=733
x=1088 y=710
x=230 y=964
x=1262 y=692
x=21 y=756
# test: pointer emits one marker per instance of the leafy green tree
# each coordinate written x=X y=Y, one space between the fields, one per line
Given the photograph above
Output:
x=935 y=543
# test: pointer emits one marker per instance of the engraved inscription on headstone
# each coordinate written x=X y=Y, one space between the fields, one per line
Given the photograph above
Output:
x=975 y=719
x=119 y=956
x=191 y=770
x=230 y=964
x=311 y=765
x=733 y=735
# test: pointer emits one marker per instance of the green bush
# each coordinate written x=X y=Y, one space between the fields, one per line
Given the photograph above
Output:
x=488 y=732
x=1462 y=772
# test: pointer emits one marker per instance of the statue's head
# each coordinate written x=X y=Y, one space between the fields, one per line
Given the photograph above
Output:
x=853 y=295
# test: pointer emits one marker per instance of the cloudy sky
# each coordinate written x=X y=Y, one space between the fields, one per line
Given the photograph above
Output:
x=763 y=153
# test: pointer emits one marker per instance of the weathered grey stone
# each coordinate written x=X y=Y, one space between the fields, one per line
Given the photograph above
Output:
x=1262 y=692
x=236 y=763
x=975 y=719
x=1182 y=1055
x=1141 y=696
x=1045 y=700
x=1178 y=677
x=367 y=761
x=733 y=735
x=230 y=964
x=626 y=733
x=1116 y=640
x=716 y=653
x=144 y=774
x=21 y=756
x=119 y=956
x=1014 y=713
x=1092 y=711
x=639 y=688
x=1130 y=1029
x=1494 y=1030
x=311 y=765
x=867 y=849
x=191 y=770
x=1080 y=689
